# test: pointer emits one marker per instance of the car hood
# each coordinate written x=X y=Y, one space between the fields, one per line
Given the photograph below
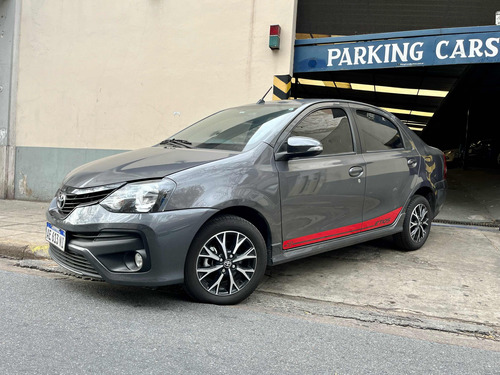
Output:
x=145 y=163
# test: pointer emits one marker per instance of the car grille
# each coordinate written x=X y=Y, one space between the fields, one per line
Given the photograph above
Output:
x=74 y=262
x=75 y=200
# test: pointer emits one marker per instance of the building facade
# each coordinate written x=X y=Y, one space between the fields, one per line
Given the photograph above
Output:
x=84 y=79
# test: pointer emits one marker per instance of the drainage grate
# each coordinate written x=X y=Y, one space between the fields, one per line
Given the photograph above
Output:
x=468 y=223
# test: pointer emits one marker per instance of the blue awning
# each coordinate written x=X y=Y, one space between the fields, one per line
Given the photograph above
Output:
x=454 y=46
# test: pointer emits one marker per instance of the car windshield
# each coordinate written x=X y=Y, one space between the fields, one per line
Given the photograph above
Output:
x=235 y=129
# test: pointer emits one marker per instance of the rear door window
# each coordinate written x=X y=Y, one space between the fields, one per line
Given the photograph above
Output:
x=377 y=132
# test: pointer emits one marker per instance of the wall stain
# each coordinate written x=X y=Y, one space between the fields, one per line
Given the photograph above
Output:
x=23 y=186
x=3 y=135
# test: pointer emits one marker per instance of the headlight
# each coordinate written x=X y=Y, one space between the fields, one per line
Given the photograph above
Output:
x=150 y=196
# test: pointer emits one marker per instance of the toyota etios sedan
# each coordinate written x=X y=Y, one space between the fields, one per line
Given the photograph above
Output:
x=246 y=188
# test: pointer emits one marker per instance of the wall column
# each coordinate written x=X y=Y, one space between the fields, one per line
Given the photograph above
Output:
x=9 y=28
x=281 y=87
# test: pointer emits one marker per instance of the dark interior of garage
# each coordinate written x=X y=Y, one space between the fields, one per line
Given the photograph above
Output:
x=354 y=17
x=467 y=113
x=464 y=116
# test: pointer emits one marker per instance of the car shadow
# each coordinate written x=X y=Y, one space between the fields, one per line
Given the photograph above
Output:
x=336 y=260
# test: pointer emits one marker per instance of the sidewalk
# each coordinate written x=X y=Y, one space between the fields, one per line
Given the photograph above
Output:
x=473 y=197
x=22 y=229
x=455 y=276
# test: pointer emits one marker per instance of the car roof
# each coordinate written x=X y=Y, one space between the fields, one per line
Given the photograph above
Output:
x=308 y=102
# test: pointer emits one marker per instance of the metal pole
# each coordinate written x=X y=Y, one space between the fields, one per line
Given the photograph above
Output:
x=466 y=142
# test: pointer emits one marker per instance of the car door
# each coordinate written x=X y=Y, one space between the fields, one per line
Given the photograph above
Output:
x=322 y=196
x=391 y=166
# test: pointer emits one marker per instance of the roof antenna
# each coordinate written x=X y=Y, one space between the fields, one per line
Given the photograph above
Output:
x=261 y=101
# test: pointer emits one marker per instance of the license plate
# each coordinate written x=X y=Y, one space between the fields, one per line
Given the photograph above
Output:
x=56 y=236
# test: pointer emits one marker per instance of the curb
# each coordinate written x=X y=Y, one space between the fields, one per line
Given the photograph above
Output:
x=24 y=251
x=373 y=314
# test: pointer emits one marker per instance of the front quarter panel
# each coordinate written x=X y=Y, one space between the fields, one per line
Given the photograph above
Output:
x=248 y=179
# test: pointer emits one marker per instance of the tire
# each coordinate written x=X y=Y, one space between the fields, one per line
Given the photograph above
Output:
x=416 y=225
x=234 y=252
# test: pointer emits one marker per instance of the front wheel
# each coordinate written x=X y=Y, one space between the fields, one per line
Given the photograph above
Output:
x=416 y=225
x=226 y=261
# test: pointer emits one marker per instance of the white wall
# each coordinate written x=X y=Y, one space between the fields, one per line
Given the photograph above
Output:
x=109 y=74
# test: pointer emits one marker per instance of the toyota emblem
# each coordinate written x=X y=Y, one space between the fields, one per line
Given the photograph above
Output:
x=61 y=200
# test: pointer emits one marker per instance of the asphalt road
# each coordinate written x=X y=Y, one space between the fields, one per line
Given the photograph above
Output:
x=53 y=324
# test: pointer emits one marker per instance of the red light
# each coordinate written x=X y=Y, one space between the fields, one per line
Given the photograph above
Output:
x=275 y=30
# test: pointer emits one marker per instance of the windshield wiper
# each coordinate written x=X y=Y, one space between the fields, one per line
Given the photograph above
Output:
x=177 y=142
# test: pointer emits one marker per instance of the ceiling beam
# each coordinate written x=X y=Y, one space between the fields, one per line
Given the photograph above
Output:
x=407 y=102
x=431 y=78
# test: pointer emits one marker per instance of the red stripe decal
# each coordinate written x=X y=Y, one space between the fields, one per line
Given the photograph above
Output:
x=377 y=222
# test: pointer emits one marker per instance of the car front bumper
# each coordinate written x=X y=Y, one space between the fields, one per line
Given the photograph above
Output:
x=101 y=244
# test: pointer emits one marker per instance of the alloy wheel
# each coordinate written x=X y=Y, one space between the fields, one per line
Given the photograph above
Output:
x=226 y=263
x=419 y=222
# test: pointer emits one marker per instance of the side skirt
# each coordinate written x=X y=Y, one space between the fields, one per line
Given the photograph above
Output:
x=283 y=256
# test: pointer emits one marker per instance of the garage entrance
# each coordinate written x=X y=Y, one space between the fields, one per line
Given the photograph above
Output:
x=442 y=83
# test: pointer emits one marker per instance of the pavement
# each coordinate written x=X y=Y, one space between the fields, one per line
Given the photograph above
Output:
x=453 y=278
x=473 y=197
x=22 y=229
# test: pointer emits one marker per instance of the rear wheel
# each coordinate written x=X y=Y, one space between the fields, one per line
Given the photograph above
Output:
x=226 y=261
x=416 y=225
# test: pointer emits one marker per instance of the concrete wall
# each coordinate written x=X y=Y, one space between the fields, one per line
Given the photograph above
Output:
x=6 y=39
x=9 y=11
x=123 y=74
x=39 y=168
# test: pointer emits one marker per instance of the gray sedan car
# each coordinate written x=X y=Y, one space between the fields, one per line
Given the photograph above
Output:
x=248 y=187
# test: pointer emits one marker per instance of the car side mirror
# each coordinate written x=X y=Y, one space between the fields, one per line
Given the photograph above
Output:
x=299 y=146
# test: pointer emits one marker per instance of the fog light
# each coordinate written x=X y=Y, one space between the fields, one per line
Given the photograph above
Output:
x=138 y=260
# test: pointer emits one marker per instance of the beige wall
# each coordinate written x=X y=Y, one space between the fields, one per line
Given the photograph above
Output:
x=111 y=74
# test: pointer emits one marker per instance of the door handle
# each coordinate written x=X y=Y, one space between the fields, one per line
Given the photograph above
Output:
x=355 y=171
x=412 y=163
